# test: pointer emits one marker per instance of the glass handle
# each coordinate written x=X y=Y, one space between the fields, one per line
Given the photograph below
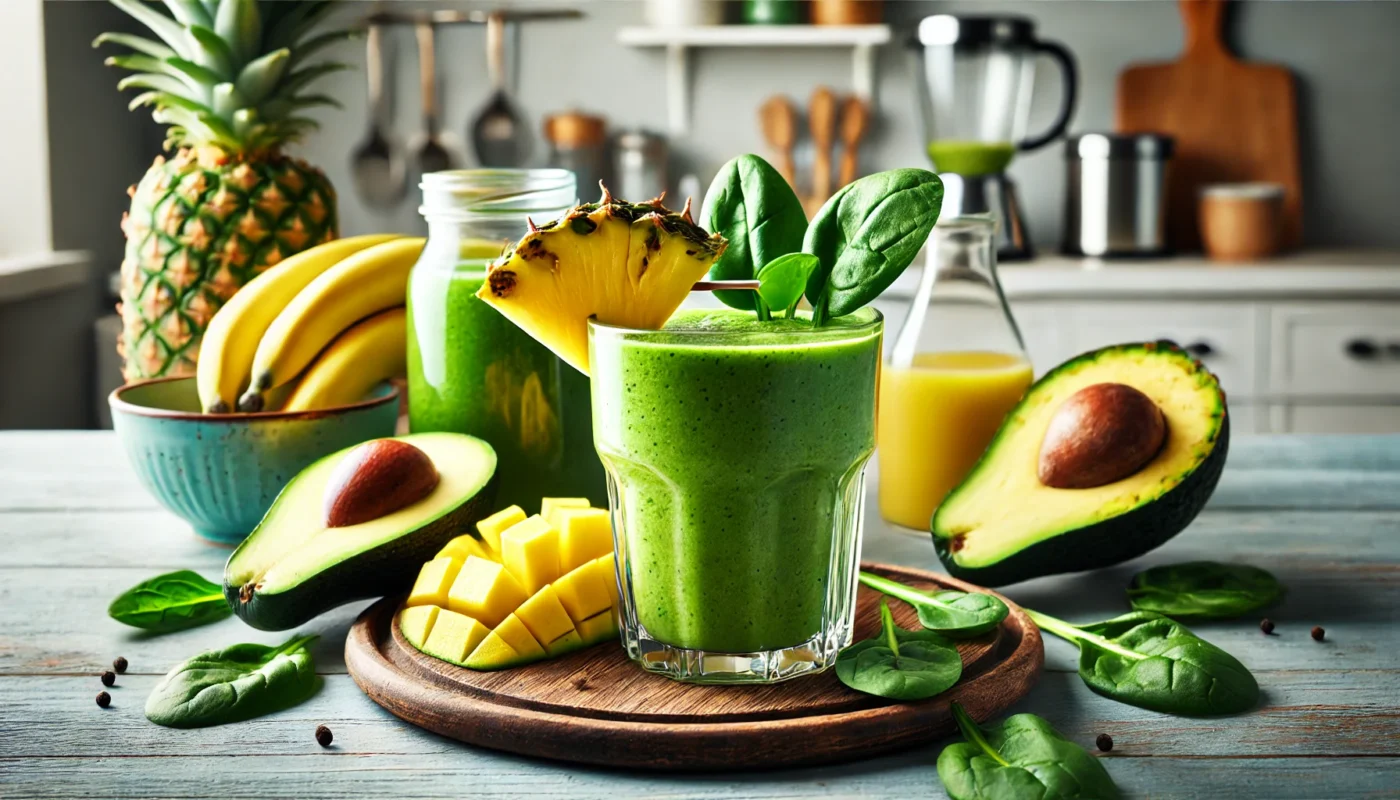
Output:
x=1070 y=72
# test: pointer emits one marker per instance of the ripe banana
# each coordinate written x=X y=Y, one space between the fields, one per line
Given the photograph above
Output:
x=369 y=353
x=361 y=285
x=231 y=339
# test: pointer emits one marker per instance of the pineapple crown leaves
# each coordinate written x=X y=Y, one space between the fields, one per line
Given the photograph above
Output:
x=227 y=72
x=682 y=224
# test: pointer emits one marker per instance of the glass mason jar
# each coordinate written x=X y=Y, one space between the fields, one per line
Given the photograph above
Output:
x=470 y=370
x=736 y=456
x=956 y=368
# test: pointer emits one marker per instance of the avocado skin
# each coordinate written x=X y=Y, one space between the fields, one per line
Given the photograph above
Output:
x=1109 y=542
x=387 y=569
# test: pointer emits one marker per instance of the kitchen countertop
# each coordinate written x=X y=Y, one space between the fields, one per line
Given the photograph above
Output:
x=30 y=275
x=1323 y=513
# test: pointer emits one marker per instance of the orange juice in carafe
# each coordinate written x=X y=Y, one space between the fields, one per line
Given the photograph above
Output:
x=936 y=417
x=956 y=368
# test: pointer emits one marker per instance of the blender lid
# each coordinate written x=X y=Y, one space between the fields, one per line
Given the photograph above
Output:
x=950 y=29
x=1145 y=146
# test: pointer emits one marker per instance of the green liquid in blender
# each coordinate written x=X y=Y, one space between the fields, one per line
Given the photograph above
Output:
x=970 y=158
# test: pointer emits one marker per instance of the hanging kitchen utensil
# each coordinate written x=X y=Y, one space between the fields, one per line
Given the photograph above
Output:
x=379 y=164
x=1233 y=122
x=432 y=155
x=855 y=121
x=499 y=134
x=821 y=117
x=777 y=117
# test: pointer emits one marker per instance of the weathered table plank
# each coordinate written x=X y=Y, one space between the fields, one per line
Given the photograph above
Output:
x=76 y=529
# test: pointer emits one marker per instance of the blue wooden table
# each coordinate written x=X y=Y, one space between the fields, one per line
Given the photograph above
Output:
x=76 y=530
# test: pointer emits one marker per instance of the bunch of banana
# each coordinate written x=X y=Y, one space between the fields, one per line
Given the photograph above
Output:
x=320 y=329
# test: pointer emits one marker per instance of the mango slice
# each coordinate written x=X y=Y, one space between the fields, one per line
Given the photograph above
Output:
x=545 y=616
x=493 y=526
x=493 y=653
x=454 y=636
x=434 y=581
x=567 y=643
x=551 y=506
x=584 y=534
x=584 y=592
x=599 y=627
x=468 y=544
x=485 y=591
x=530 y=550
x=515 y=634
x=611 y=567
x=416 y=622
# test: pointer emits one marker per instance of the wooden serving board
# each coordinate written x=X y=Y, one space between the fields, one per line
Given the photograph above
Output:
x=1233 y=122
x=596 y=707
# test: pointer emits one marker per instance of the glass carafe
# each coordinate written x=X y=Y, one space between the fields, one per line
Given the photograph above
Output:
x=975 y=82
x=470 y=370
x=956 y=368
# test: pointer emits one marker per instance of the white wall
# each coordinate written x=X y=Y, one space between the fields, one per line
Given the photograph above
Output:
x=24 y=203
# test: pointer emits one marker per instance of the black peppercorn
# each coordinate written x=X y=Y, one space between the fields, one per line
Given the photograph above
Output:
x=1266 y=625
x=103 y=699
x=1104 y=742
x=323 y=736
x=108 y=678
x=1318 y=633
x=119 y=664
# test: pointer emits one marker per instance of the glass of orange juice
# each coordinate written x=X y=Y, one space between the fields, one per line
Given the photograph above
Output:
x=956 y=368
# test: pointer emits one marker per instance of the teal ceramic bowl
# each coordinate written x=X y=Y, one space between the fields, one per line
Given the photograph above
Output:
x=221 y=472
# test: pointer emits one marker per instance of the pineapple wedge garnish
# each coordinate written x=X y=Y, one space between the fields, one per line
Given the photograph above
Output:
x=622 y=264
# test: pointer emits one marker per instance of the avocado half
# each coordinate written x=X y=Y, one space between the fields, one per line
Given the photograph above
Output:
x=1002 y=525
x=293 y=567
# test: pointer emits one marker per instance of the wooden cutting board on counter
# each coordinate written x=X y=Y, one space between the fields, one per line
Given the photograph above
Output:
x=596 y=707
x=1233 y=121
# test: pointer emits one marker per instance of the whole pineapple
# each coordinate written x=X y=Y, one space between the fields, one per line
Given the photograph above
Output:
x=228 y=77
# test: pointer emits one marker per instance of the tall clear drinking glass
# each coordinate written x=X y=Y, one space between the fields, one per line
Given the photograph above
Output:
x=736 y=454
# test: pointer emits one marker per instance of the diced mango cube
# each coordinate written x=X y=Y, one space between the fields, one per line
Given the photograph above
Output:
x=468 y=544
x=515 y=634
x=454 y=636
x=611 y=568
x=485 y=591
x=416 y=622
x=493 y=653
x=598 y=628
x=530 y=550
x=584 y=534
x=567 y=643
x=584 y=592
x=545 y=616
x=434 y=581
x=551 y=506
x=493 y=526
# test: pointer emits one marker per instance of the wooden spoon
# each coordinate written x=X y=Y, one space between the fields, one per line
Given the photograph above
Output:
x=821 y=114
x=778 y=119
x=855 y=121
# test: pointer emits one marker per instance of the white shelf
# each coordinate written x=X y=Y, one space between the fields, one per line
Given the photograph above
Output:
x=678 y=41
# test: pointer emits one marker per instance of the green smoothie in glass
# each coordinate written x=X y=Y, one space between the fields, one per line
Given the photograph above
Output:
x=970 y=158
x=736 y=453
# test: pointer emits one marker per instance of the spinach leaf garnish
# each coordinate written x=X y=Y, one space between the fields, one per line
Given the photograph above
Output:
x=1023 y=757
x=171 y=602
x=233 y=684
x=751 y=204
x=782 y=281
x=951 y=613
x=1150 y=661
x=900 y=664
x=1203 y=590
x=866 y=235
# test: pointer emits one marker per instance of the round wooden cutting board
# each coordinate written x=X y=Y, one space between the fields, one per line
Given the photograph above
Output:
x=596 y=707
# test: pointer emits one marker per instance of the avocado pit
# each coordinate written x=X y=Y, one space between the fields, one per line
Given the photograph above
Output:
x=1103 y=433
x=375 y=479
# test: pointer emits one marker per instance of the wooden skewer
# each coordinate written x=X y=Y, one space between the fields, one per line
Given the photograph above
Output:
x=716 y=286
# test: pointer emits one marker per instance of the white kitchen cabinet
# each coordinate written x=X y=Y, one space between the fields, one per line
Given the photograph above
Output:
x=1334 y=419
x=1336 y=349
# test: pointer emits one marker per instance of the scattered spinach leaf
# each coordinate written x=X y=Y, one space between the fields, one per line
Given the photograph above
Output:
x=951 y=613
x=782 y=280
x=1203 y=590
x=233 y=684
x=171 y=602
x=1150 y=661
x=900 y=664
x=753 y=207
x=866 y=235
x=1023 y=757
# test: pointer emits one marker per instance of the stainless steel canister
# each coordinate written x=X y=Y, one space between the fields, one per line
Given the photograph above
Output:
x=1116 y=194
